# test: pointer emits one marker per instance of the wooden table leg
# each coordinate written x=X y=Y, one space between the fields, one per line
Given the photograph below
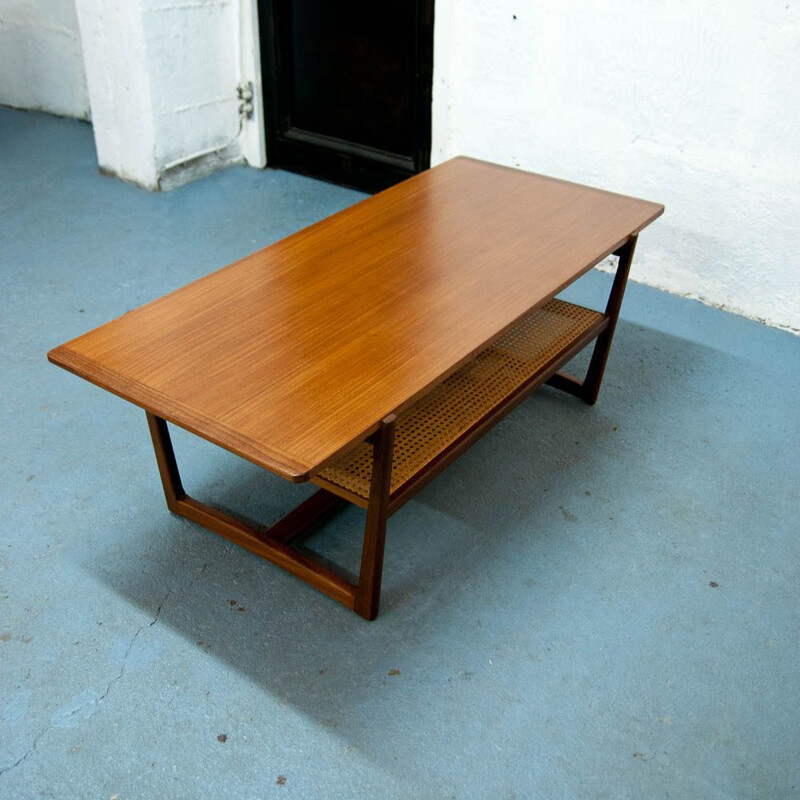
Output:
x=602 y=347
x=368 y=592
x=271 y=544
x=167 y=464
x=589 y=388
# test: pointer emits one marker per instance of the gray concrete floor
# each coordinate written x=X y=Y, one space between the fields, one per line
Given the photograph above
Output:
x=591 y=603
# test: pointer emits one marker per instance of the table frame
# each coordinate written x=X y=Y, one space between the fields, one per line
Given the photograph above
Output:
x=363 y=596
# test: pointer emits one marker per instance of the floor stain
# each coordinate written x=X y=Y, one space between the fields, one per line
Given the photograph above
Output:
x=568 y=515
x=393 y=672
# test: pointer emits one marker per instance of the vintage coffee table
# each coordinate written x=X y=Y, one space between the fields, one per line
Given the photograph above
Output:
x=366 y=352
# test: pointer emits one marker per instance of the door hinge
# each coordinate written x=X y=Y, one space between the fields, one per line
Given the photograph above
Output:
x=244 y=91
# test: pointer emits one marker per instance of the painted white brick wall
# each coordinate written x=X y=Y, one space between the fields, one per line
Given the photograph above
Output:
x=41 y=63
x=693 y=104
x=116 y=55
x=162 y=78
x=193 y=55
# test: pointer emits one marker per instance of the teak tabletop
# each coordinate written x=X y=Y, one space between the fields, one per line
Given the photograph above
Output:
x=291 y=355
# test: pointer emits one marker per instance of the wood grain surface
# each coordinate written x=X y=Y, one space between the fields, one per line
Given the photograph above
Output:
x=293 y=354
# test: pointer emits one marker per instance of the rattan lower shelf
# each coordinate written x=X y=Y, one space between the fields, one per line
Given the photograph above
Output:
x=541 y=339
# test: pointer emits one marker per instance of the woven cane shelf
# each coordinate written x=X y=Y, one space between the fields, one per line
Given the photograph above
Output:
x=436 y=422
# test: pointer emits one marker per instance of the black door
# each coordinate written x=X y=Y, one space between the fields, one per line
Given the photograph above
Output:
x=347 y=88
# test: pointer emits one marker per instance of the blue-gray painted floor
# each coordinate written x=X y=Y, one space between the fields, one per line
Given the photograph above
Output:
x=591 y=603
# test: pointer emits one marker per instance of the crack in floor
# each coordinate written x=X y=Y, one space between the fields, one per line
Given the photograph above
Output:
x=131 y=644
x=102 y=697
x=29 y=751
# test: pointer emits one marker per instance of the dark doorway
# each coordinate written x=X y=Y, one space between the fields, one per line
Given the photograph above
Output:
x=347 y=88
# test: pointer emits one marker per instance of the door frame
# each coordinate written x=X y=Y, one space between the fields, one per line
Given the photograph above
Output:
x=346 y=163
x=253 y=136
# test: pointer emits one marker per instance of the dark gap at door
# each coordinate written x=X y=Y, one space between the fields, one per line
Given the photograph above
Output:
x=347 y=88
